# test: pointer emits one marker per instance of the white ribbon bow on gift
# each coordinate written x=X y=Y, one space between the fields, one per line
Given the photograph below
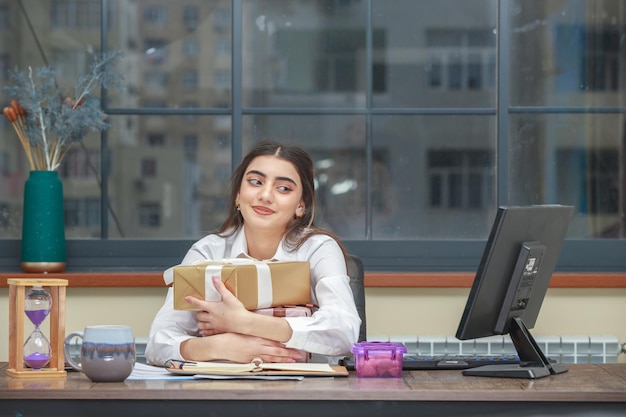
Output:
x=213 y=268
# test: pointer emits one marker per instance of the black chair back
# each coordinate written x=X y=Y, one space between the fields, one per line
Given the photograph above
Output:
x=357 y=283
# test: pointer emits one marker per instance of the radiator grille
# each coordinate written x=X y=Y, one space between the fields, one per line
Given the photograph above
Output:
x=563 y=349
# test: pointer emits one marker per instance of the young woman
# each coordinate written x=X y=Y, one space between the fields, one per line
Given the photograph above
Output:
x=270 y=217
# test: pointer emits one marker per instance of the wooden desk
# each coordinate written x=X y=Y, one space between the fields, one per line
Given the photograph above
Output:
x=586 y=390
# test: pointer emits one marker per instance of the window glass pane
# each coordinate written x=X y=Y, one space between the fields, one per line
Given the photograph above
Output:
x=572 y=159
x=435 y=53
x=571 y=52
x=171 y=183
x=171 y=55
x=431 y=180
x=303 y=54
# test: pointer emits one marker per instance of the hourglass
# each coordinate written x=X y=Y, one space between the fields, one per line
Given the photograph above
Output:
x=38 y=356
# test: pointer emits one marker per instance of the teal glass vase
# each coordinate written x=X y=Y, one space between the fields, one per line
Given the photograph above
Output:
x=43 y=223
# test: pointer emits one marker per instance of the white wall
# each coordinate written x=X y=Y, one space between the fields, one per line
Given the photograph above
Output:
x=390 y=311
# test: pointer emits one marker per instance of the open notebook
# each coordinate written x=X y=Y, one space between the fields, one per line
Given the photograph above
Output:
x=256 y=367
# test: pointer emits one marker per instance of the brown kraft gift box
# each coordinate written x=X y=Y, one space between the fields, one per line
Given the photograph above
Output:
x=256 y=284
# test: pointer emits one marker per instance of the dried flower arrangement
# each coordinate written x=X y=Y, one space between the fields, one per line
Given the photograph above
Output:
x=47 y=122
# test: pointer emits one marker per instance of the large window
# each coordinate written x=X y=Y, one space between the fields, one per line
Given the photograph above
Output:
x=422 y=116
x=460 y=179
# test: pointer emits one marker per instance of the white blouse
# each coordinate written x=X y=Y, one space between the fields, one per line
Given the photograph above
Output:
x=330 y=331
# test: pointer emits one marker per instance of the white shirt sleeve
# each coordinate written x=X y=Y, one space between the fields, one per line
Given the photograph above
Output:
x=169 y=329
x=334 y=327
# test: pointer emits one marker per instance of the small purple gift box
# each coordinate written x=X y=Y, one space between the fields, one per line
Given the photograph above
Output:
x=378 y=359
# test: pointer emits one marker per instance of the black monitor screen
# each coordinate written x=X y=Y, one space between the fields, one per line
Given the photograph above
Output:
x=510 y=284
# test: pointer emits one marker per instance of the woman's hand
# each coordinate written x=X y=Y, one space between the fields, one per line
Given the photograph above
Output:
x=237 y=348
x=230 y=316
x=216 y=317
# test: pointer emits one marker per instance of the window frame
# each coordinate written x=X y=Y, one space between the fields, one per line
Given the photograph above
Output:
x=578 y=255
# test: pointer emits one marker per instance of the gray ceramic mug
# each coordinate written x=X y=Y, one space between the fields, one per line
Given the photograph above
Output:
x=107 y=353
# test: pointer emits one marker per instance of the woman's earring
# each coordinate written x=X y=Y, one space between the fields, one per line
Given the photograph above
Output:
x=237 y=206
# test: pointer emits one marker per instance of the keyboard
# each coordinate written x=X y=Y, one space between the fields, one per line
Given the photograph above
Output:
x=434 y=362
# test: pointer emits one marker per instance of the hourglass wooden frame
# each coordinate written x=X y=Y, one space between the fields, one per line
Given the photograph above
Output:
x=17 y=292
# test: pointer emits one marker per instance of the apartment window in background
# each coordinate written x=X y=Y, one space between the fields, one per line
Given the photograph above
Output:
x=155 y=14
x=461 y=59
x=4 y=164
x=82 y=213
x=155 y=104
x=190 y=80
x=460 y=179
x=150 y=215
x=76 y=14
x=67 y=64
x=5 y=217
x=191 y=47
x=591 y=59
x=148 y=167
x=221 y=79
x=4 y=66
x=190 y=143
x=80 y=163
x=603 y=59
x=221 y=19
x=156 y=78
x=190 y=18
x=156 y=140
x=222 y=47
x=5 y=19
x=597 y=192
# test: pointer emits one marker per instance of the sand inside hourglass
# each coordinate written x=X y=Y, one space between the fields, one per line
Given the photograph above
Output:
x=37 y=350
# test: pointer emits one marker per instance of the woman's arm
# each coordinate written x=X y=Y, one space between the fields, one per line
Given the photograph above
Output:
x=237 y=348
x=333 y=328
x=174 y=335
x=168 y=330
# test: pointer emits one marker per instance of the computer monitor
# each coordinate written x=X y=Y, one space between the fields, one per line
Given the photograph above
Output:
x=510 y=284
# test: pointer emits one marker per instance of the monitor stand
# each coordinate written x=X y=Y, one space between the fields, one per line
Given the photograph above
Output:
x=533 y=363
